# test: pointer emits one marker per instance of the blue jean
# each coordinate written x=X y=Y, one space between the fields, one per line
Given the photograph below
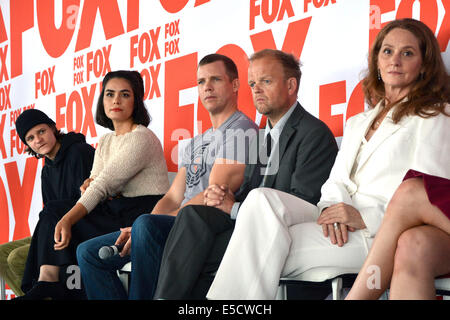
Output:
x=148 y=237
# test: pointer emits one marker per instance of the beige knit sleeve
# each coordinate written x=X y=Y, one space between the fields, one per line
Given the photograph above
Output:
x=122 y=164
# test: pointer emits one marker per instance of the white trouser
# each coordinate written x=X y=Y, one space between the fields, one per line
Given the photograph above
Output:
x=276 y=235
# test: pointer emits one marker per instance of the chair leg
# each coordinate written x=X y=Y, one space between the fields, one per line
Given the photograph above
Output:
x=336 y=285
x=2 y=289
x=124 y=277
x=281 y=292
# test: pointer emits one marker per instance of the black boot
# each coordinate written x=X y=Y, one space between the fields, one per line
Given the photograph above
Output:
x=44 y=290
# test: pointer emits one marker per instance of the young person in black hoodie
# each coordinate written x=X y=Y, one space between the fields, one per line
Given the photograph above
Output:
x=68 y=162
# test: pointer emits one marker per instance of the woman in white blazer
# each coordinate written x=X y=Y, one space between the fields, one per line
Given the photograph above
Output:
x=412 y=246
x=407 y=125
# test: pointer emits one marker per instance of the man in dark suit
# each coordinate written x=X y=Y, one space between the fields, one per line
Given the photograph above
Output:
x=302 y=151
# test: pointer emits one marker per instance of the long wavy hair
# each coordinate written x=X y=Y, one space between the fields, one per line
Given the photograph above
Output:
x=431 y=90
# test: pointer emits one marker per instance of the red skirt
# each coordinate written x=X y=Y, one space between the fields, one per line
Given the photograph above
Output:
x=437 y=188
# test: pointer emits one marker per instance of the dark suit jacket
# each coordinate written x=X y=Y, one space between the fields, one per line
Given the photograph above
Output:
x=307 y=151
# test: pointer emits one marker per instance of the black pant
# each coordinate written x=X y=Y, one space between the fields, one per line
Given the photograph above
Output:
x=193 y=252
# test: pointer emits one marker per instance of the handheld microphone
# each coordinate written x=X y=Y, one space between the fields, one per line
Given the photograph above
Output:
x=109 y=251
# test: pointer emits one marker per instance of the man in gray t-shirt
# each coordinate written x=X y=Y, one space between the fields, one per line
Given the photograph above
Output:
x=230 y=141
x=217 y=156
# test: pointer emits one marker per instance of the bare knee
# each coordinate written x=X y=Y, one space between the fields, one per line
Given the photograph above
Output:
x=412 y=254
x=408 y=197
x=408 y=192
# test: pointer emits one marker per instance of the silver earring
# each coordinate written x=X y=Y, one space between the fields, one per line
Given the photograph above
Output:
x=379 y=75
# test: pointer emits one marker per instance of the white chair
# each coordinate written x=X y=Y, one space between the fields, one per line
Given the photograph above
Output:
x=336 y=275
x=318 y=275
x=442 y=285
x=124 y=275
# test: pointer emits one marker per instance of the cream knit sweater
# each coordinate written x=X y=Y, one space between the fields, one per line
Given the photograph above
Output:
x=131 y=164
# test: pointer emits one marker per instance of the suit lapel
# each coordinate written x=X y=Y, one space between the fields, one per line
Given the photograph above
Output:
x=358 y=132
x=387 y=129
x=290 y=128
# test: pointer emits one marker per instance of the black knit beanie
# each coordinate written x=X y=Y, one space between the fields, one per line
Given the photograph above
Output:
x=28 y=119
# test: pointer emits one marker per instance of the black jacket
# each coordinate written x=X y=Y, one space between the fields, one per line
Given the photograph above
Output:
x=62 y=177
x=307 y=150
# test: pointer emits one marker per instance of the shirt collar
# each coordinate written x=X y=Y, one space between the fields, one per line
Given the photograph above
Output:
x=275 y=132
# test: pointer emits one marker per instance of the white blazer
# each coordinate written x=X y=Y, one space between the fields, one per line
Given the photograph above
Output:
x=413 y=143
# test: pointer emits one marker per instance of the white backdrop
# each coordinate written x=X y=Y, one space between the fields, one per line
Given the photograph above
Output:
x=54 y=55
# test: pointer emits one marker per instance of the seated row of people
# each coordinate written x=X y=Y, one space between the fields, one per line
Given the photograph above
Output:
x=286 y=202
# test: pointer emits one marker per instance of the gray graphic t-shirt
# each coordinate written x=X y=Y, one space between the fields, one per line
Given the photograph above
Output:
x=230 y=141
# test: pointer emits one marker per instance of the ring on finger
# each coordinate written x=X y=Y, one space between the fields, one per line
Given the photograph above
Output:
x=336 y=226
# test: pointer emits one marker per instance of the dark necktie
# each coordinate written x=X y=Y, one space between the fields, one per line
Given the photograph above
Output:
x=269 y=144
x=260 y=169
